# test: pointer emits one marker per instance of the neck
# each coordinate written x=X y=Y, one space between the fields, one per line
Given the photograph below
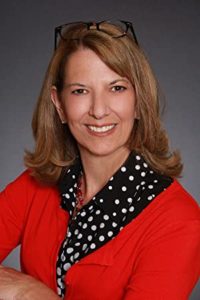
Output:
x=97 y=170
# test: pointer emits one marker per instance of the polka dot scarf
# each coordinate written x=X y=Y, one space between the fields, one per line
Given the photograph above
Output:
x=126 y=194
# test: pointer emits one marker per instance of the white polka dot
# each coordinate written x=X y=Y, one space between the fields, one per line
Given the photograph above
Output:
x=89 y=237
x=94 y=227
x=63 y=257
x=145 y=165
x=71 y=190
x=84 y=225
x=83 y=213
x=76 y=232
x=101 y=238
x=102 y=225
x=76 y=255
x=131 y=209
x=77 y=244
x=137 y=187
x=137 y=167
x=71 y=258
x=124 y=210
x=150 y=186
x=124 y=188
x=90 y=219
x=138 y=157
x=92 y=246
x=114 y=214
x=67 y=266
x=79 y=236
x=129 y=200
x=98 y=212
x=91 y=207
x=106 y=217
x=143 y=174
x=155 y=181
x=149 y=198
x=70 y=250
x=117 y=201
x=138 y=199
x=73 y=176
x=67 y=196
x=84 y=247
x=101 y=200
x=110 y=187
x=151 y=172
x=123 y=169
x=110 y=233
x=142 y=182
x=73 y=204
x=114 y=224
x=131 y=177
x=111 y=179
x=59 y=271
x=69 y=234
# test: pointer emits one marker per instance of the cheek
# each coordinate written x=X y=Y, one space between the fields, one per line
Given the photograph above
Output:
x=74 y=111
x=126 y=111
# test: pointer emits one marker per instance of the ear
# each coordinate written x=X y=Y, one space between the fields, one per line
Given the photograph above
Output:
x=57 y=103
x=137 y=111
x=136 y=115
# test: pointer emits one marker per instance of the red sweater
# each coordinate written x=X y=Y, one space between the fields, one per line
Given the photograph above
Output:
x=156 y=256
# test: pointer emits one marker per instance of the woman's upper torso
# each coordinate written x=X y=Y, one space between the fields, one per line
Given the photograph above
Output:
x=154 y=256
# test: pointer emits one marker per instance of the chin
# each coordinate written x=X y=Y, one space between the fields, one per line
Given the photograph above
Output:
x=102 y=151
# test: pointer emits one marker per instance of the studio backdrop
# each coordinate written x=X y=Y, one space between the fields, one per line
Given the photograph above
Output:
x=169 y=32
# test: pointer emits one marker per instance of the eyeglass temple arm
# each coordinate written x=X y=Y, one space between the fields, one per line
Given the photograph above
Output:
x=55 y=38
x=133 y=33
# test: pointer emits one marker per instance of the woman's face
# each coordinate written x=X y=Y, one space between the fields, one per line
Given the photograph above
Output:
x=97 y=104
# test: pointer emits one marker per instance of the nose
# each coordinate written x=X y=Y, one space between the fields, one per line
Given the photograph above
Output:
x=99 y=107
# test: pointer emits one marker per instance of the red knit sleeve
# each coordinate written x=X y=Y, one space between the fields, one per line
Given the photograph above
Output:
x=169 y=265
x=13 y=207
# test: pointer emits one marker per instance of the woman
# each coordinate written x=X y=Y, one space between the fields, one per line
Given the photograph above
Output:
x=99 y=213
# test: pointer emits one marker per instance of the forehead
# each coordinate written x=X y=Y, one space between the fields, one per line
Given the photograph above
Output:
x=86 y=64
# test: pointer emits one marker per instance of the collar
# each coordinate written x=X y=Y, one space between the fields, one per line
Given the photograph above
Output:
x=133 y=180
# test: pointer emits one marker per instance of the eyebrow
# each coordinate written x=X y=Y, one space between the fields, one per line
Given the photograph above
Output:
x=119 y=79
x=74 y=84
x=67 y=85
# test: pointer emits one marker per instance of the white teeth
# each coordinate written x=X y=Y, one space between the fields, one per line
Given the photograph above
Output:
x=101 y=129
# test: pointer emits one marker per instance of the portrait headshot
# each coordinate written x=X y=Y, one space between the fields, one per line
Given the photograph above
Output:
x=99 y=122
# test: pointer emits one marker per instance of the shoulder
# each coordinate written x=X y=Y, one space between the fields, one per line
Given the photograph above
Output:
x=172 y=217
x=172 y=208
x=25 y=188
x=177 y=203
x=25 y=179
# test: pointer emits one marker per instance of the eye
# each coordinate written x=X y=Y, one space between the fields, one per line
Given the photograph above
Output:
x=79 y=91
x=118 y=88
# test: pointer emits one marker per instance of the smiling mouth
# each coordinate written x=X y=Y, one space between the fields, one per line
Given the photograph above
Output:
x=100 y=129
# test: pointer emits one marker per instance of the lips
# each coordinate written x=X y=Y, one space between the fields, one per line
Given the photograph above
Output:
x=100 y=129
x=103 y=129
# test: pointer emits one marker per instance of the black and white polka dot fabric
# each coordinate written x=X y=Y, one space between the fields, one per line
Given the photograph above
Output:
x=124 y=196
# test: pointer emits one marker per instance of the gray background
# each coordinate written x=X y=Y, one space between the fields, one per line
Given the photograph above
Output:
x=169 y=31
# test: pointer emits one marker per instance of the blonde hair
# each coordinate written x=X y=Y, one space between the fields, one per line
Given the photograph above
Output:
x=55 y=147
